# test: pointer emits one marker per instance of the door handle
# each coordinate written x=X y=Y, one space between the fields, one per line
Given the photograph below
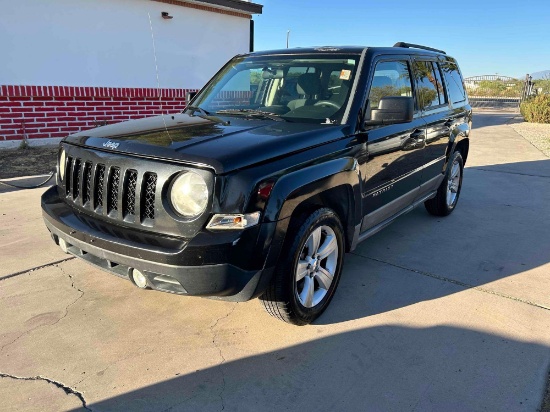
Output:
x=414 y=141
x=448 y=122
x=418 y=135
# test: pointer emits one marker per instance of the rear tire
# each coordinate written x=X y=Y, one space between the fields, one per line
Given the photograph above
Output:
x=448 y=192
x=309 y=269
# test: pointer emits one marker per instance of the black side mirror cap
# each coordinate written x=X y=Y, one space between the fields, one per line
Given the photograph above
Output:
x=392 y=110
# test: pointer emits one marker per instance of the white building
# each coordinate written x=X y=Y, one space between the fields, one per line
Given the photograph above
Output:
x=68 y=65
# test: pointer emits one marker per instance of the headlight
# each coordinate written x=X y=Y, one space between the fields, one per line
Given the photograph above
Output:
x=189 y=194
x=62 y=164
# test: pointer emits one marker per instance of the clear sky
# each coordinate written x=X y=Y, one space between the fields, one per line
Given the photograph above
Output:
x=485 y=36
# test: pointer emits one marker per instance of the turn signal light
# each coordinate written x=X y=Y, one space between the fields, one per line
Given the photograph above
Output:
x=234 y=221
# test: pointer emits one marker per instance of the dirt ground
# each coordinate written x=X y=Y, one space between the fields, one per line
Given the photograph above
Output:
x=27 y=162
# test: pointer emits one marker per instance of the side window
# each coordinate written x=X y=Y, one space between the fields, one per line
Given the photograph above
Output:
x=428 y=94
x=390 y=79
x=440 y=88
x=453 y=79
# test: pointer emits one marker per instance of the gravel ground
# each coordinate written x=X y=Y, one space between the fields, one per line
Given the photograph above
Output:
x=537 y=133
x=27 y=162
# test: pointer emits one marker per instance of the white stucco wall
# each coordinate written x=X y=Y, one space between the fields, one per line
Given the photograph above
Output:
x=108 y=43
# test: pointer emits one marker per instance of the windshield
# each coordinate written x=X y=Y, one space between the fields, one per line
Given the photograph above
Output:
x=296 y=88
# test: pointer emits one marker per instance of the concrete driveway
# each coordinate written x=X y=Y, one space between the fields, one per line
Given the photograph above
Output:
x=431 y=314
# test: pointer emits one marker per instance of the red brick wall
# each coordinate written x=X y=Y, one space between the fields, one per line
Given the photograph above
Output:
x=230 y=99
x=57 y=111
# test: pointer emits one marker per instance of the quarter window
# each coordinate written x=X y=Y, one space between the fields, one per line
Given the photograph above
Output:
x=390 y=79
x=455 y=85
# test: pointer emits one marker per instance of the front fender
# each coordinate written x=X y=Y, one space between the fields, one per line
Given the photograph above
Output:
x=293 y=188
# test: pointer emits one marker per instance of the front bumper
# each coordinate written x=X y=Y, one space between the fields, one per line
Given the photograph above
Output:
x=227 y=265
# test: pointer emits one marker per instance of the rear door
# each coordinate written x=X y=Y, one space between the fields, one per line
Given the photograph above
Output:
x=391 y=174
x=436 y=112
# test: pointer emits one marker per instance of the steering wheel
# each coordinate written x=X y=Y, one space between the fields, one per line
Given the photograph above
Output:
x=327 y=103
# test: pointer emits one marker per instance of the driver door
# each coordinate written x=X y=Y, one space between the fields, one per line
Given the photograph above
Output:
x=391 y=175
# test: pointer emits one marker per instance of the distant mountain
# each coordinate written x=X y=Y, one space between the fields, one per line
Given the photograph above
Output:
x=545 y=74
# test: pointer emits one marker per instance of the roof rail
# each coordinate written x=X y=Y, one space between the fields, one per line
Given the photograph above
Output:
x=417 y=46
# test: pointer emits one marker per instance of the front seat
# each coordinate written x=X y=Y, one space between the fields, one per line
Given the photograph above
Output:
x=309 y=86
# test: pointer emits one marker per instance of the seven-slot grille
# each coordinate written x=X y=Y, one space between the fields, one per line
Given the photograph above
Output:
x=110 y=190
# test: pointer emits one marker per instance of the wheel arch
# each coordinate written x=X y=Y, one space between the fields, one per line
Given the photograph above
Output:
x=463 y=146
x=334 y=184
x=340 y=200
x=459 y=140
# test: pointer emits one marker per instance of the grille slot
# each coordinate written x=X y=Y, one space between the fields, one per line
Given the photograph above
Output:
x=112 y=189
x=87 y=186
x=129 y=198
x=148 y=196
x=68 y=175
x=98 y=188
x=76 y=178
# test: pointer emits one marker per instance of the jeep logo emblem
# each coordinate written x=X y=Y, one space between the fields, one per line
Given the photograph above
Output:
x=111 y=145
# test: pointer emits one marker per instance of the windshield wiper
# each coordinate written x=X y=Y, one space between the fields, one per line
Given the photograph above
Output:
x=203 y=114
x=252 y=112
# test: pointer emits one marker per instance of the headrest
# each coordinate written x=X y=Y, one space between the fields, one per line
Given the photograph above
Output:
x=308 y=84
x=272 y=74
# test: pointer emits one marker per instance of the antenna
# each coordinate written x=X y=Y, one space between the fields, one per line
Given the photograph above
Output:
x=158 y=79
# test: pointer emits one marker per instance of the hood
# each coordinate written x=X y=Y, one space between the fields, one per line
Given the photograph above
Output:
x=204 y=143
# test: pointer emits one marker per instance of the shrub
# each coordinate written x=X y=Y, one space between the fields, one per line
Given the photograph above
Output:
x=24 y=145
x=536 y=110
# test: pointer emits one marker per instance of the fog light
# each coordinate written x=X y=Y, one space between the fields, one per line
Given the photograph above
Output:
x=139 y=279
x=64 y=245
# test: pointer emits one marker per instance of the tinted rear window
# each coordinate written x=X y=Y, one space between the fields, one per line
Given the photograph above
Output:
x=453 y=79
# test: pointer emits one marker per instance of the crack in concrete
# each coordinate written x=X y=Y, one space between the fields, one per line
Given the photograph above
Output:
x=72 y=303
x=456 y=282
x=11 y=275
x=67 y=389
x=58 y=320
x=131 y=356
x=215 y=335
x=20 y=336
x=223 y=360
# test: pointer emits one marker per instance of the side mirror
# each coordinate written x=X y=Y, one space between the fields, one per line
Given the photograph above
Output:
x=392 y=110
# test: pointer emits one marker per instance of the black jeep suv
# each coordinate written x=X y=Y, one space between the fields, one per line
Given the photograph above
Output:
x=281 y=164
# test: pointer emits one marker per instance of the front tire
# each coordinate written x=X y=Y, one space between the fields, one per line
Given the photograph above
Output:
x=448 y=192
x=309 y=270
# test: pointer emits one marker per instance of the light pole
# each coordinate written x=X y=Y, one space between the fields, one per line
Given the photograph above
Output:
x=287 y=37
